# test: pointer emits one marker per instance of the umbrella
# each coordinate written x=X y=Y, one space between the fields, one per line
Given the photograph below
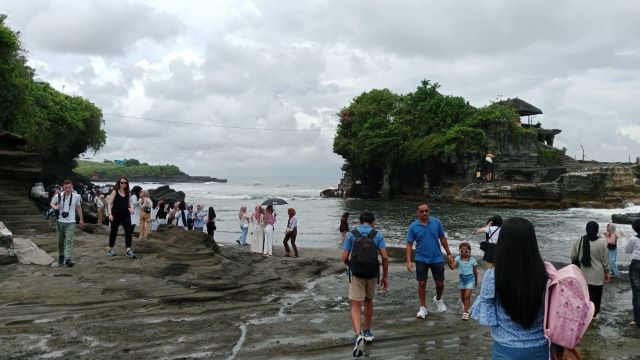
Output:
x=275 y=201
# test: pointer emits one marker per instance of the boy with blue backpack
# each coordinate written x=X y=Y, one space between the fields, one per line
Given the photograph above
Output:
x=360 y=252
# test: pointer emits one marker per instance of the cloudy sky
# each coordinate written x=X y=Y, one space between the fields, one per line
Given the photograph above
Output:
x=240 y=65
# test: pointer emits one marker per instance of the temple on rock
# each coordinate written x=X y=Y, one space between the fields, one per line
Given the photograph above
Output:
x=515 y=169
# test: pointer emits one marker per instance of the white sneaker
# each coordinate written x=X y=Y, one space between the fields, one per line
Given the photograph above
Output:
x=440 y=304
x=422 y=313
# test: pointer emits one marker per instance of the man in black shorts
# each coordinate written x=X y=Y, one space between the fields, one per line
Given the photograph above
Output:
x=427 y=234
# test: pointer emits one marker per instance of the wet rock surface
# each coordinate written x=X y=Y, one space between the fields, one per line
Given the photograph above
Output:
x=180 y=300
x=604 y=187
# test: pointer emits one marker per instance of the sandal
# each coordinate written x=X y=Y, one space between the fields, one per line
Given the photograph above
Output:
x=465 y=316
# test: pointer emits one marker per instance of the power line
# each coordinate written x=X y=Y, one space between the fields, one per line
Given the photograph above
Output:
x=215 y=125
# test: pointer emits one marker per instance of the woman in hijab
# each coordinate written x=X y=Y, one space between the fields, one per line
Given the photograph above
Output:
x=593 y=256
x=612 y=244
x=257 y=230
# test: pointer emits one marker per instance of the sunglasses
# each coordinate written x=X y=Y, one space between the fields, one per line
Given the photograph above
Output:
x=423 y=211
x=465 y=251
x=123 y=182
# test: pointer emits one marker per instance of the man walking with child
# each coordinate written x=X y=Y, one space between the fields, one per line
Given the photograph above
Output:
x=428 y=235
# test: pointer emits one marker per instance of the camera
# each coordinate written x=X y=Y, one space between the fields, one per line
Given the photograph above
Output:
x=64 y=214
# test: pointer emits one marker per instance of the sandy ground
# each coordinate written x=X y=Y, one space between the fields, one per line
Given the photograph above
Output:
x=181 y=300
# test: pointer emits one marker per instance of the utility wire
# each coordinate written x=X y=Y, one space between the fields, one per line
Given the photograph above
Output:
x=215 y=125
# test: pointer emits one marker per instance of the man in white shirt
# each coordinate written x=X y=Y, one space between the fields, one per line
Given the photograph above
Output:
x=66 y=204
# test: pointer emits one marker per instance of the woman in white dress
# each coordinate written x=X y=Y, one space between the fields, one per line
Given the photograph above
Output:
x=257 y=230
x=134 y=199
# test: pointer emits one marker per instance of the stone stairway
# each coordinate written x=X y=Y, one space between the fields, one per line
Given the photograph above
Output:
x=22 y=216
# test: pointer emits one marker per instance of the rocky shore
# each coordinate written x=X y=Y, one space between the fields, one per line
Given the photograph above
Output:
x=183 y=300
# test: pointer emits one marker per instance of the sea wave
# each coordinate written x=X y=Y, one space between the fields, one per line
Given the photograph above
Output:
x=231 y=197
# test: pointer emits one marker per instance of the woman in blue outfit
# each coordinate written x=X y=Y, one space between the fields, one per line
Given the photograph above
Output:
x=511 y=299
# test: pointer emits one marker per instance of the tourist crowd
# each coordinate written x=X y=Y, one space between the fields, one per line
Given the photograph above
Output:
x=515 y=284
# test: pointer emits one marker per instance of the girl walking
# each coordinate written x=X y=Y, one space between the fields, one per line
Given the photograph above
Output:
x=291 y=232
x=120 y=211
x=612 y=245
x=468 y=276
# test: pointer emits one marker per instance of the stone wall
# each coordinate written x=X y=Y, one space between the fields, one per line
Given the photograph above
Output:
x=19 y=170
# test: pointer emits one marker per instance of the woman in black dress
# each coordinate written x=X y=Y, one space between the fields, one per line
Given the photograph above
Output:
x=211 y=221
x=120 y=211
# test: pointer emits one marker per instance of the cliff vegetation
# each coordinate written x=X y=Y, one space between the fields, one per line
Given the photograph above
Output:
x=57 y=126
x=132 y=168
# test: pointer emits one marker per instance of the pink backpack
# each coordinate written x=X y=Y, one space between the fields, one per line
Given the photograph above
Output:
x=568 y=311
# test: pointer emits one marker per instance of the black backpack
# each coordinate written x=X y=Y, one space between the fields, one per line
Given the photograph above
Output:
x=364 y=256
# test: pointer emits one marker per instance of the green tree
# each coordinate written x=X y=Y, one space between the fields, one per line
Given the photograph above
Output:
x=131 y=162
x=58 y=126
x=15 y=78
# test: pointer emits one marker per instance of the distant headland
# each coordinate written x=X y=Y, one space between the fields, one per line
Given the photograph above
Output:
x=110 y=170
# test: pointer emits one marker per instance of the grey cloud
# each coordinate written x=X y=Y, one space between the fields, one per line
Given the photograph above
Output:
x=263 y=65
x=98 y=27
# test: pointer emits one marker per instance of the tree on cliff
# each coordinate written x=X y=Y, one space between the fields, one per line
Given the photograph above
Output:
x=383 y=130
x=58 y=126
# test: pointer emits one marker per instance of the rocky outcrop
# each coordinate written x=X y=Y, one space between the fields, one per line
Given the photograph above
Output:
x=19 y=170
x=29 y=253
x=20 y=250
x=6 y=237
x=627 y=218
x=166 y=194
x=331 y=193
x=606 y=187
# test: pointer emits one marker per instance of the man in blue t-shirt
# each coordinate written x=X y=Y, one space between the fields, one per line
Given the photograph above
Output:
x=361 y=291
x=427 y=234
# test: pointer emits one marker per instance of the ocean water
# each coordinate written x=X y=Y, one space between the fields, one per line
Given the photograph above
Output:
x=319 y=218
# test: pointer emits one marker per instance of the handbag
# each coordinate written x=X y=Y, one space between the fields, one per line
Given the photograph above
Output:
x=147 y=209
x=576 y=259
x=485 y=244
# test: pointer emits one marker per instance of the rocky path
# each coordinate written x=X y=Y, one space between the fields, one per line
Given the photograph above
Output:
x=180 y=300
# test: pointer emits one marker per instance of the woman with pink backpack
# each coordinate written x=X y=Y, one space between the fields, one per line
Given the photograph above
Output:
x=511 y=299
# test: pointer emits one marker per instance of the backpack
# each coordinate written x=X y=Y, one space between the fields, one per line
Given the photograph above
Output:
x=567 y=309
x=364 y=256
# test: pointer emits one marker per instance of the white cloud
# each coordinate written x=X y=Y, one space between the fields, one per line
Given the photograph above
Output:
x=292 y=65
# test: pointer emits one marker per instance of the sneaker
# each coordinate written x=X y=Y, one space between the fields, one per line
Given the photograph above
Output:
x=422 y=313
x=131 y=254
x=465 y=316
x=367 y=335
x=440 y=304
x=358 y=348
x=238 y=241
x=111 y=252
x=69 y=263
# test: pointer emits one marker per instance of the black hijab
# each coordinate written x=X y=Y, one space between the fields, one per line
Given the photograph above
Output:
x=592 y=235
